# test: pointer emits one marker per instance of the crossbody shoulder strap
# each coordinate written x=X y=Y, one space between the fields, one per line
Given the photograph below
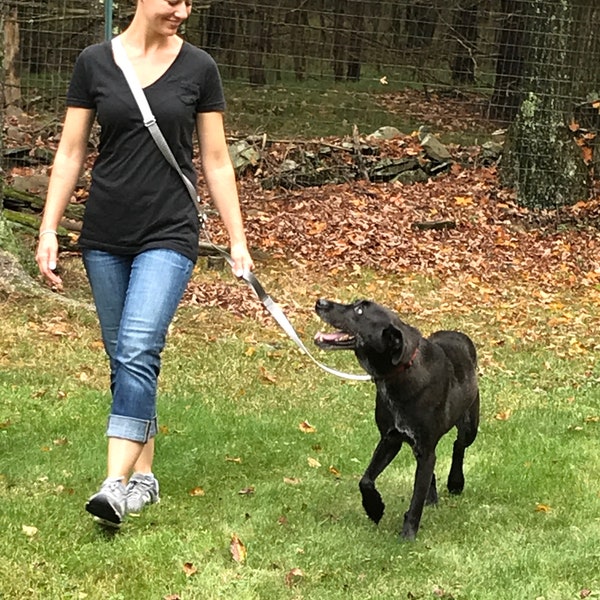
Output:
x=150 y=122
x=148 y=117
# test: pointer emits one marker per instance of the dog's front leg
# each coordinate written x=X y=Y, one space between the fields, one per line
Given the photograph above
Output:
x=423 y=478
x=388 y=447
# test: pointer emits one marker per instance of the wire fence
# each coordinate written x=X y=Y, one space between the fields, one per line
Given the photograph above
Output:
x=302 y=68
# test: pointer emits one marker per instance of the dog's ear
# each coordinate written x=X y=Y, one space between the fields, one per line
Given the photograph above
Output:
x=400 y=343
x=393 y=341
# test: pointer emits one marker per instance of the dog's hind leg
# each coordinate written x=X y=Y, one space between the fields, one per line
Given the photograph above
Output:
x=388 y=447
x=467 y=432
x=432 y=496
x=423 y=480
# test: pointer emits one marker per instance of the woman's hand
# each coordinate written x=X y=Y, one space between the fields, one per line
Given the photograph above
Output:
x=242 y=261
x=46 y=257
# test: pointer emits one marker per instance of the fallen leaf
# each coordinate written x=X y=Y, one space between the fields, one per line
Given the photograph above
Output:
x=291 y=480
x=29 y=530
x=266 y=376
x=189 y=569
x=293 y=577
x=233 y=459
x=463 y=200
x=172 y=597
x=335 y=472
x=306 y=427
x=237 y=549
x=197 y=491
x=313 y=462
x=503 y=415
x=542 y=508
x=247 y=491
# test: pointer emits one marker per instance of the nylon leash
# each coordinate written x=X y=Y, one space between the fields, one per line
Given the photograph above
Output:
x=277 y=313
x=150 y=122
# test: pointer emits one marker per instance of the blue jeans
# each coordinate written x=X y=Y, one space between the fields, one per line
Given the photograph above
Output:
x=136 y=298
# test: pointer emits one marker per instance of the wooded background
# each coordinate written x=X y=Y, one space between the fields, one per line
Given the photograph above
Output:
x=530 y=66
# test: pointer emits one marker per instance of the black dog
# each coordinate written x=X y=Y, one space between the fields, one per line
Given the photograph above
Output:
x=425 y=386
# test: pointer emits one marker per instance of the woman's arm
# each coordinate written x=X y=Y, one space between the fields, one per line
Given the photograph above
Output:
x=220 y=179
x=71 y=153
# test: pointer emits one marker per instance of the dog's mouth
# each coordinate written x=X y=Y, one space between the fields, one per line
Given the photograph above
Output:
x=338 y=340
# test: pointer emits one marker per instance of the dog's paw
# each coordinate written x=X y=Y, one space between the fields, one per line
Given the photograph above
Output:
x=456 y=484
x=409 y=529
x=371 y=500
x=374 y=506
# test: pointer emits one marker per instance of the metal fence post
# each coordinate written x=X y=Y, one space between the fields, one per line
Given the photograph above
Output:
x=108 y=19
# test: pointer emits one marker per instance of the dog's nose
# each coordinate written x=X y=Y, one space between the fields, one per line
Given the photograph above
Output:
x=322 y=304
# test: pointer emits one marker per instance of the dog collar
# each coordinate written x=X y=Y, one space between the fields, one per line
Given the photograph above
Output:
x=402 y=367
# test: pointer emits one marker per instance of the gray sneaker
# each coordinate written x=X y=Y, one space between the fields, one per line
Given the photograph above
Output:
x=108 y=505
x=142 y=489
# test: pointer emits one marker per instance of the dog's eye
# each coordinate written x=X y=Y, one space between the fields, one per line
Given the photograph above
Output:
x=358 y=310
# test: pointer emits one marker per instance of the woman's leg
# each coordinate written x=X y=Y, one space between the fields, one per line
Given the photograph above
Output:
x=134 y=319
x=157 y=281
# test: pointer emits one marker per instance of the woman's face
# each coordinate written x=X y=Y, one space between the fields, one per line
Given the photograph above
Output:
x=165 y=15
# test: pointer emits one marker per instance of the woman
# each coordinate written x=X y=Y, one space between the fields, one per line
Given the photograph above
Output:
x=140 y=231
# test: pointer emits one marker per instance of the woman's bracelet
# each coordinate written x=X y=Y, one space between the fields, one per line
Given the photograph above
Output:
x=45 y=231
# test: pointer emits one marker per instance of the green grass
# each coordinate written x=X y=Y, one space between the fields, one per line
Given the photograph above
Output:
x=232 y=397
x=308 y=111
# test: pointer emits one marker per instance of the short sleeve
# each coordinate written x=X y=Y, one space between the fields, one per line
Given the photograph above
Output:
x=79 y=93
x=212 y=97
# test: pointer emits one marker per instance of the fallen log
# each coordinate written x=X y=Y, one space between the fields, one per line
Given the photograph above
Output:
x=18 y=200
x=435 y=225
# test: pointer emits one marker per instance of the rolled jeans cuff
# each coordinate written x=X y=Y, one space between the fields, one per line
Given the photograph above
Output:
x=129 y=428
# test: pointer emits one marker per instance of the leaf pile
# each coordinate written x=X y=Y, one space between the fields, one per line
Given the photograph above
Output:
x=486 y=242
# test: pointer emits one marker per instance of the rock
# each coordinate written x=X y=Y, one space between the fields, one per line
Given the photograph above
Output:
x=15 y=134
x=32 y=184
x=243 y=156
x=410 y=177
x=434 y=149
x=388 y=169
x=491 y=152
x=385 y=133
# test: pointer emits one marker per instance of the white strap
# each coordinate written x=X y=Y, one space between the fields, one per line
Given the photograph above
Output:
x=274 y=309
x=124 y=63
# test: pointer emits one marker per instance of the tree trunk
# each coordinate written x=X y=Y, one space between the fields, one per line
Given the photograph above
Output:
x=221 y=36
x=298 y=19
x=11 y=84
x=465 y=31
x=258 y=34
x=338 y=49
x=421 y=21
x=506 y=98
x=541 y=160
x=356 y=28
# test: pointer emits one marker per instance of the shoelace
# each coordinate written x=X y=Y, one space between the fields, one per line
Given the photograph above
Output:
x=113 y=485
x=139 y=487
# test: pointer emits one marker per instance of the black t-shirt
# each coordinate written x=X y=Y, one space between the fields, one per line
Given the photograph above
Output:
x=137 y=201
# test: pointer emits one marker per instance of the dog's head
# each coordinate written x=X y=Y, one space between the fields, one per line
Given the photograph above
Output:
x=381 y=341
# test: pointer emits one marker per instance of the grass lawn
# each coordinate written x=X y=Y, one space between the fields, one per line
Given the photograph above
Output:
x=233 y=460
